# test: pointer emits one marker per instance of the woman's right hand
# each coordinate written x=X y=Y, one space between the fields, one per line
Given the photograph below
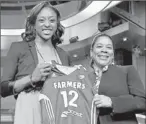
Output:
x=41 y=72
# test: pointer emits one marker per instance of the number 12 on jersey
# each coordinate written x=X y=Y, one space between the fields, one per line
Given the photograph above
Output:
x=71 y=102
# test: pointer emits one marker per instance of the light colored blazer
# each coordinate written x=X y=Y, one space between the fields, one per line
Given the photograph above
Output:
x=21 y=61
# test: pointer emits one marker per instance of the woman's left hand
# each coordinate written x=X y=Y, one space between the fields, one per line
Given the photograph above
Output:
x=102 y=101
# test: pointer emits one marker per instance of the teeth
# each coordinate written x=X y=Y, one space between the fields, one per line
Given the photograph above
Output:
x=103 y=57
x=46 y=31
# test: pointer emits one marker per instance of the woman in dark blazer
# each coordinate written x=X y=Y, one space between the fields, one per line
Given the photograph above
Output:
x=21 y=70
x=21 y=61
x=28 y=62
x=118 y=91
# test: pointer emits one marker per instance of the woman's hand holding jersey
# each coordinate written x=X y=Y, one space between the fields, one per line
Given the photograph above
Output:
x=41 y=72
x=102 y=101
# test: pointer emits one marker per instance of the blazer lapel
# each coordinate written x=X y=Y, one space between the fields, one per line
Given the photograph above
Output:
x=32 y=49
x=60 y=52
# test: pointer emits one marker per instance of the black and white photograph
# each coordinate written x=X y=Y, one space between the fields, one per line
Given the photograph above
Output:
x=73 y=62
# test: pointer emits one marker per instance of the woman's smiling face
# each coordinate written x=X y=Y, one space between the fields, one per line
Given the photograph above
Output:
x=46 y=23
x=102 y=51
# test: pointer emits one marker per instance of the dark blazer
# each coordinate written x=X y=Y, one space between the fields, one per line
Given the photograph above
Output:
x=21 y=61
x=124 y=87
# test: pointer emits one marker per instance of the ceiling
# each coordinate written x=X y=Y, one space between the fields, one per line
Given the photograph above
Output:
x=8 y=5
x=131 y=28
x=79 y=50
x=29 y=1
x=11 y=11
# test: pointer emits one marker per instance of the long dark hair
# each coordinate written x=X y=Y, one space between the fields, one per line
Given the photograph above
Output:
x=30 y=33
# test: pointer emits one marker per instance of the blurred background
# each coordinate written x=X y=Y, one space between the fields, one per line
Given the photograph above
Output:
x=124 y=21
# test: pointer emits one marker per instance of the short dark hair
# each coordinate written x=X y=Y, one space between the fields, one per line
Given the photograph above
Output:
x=97 y=36
x=30 y=34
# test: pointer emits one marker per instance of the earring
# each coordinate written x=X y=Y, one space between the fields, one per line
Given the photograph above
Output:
x=91 y=54
x=112 y=62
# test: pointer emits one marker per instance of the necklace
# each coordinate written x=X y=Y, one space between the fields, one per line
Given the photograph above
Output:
x=43 y=57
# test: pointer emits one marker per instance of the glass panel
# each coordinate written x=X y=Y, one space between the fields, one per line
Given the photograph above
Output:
x=6 y=42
